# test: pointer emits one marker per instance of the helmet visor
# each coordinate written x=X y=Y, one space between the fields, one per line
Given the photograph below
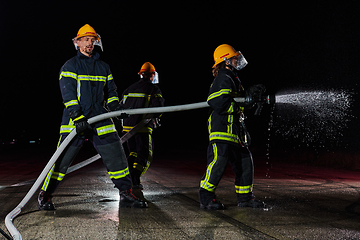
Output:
x=241 y=62
x=98 y=42
x=156 y=78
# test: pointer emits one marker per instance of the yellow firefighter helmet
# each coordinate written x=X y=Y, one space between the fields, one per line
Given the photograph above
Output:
x=224 y=52
x=147 y=68
x=87 y=30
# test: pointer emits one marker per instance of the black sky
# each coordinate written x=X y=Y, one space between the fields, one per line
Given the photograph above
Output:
x=311 y=44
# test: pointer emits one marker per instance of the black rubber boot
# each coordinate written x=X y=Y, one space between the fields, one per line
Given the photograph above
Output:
x=213 y=205
x=44 y=201
x=208 y=200
x=135 y=178
x=128 y=199
x=253 y=203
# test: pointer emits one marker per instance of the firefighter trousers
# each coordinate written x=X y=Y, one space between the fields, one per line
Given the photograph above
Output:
x=140 y=155
x=218 y=156
x=111 y=151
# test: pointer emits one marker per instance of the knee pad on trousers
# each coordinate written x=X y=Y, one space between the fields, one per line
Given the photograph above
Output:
x=113 y=156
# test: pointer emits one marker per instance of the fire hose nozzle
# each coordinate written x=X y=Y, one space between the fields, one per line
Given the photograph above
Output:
x=270 y=99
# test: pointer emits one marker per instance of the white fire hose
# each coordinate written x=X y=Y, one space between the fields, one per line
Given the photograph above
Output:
x=16 y=211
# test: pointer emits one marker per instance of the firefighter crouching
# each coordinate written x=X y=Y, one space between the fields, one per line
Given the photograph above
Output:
x=87 y=85
x=224 y=129
x=142 y=94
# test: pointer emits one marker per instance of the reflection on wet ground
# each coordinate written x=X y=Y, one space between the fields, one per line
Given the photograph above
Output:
x=302 y=203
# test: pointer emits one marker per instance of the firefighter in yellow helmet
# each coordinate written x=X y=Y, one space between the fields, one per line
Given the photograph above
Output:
x=224 y=130
x=142 y=94
x=87 y=87
x=87 y=31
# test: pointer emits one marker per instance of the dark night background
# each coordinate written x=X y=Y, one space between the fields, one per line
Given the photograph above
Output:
x=312 y=44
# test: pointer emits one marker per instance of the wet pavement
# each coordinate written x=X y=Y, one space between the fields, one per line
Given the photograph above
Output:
x=303 y=202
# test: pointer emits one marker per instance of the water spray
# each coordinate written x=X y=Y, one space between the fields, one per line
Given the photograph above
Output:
x=313 y=117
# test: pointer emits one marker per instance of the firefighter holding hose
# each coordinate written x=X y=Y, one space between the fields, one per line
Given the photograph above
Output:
x=87 y=86
x=142 y=94
x=225 y=130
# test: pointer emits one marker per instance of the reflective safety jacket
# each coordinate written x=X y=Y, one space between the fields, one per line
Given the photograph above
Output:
x=141 y=94
x=86 y=84
x=223 y=123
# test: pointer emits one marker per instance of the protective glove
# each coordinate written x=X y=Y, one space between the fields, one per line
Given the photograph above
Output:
x=82 y=126
x=117 y=107
x=80 y=122
x=256 y=92
x=253 y=95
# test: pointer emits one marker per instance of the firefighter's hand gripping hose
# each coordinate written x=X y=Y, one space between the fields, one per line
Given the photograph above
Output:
x=15 y=212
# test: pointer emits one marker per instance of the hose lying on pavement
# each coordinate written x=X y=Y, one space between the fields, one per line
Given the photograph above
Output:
x=16 y=211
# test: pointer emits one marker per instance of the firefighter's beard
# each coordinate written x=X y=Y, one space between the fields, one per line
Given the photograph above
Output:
x=88 y=50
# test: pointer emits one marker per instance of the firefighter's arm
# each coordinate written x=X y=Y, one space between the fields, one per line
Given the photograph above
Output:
x=112 y=102
x=113 y=99
x=220 y=98
x=157 y=100
x=68 y=88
